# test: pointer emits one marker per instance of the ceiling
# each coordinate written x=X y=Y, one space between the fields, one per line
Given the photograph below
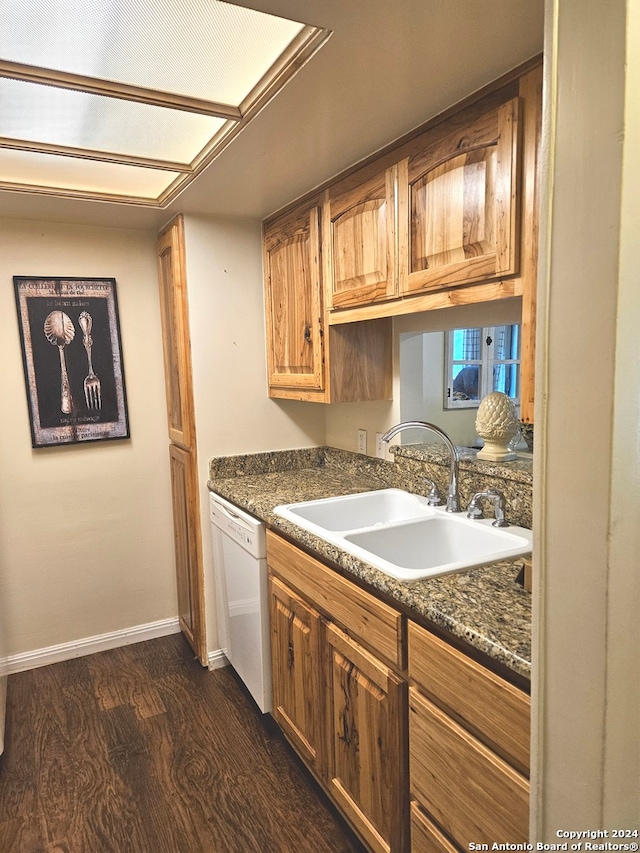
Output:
x=388 y=66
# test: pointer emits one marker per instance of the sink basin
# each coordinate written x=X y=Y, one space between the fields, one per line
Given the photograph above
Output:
x=401 y=535
x=364 y=509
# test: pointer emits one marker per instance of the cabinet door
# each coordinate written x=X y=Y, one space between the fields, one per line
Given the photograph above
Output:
x=368 y=753
x=359 y=241
x=175 y=333
x=469 y=791
x=186 y=531
x=296 y=665
x=293 y=301
x=462 y=204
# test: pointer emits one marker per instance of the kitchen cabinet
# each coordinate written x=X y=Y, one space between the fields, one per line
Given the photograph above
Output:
x=306 y=360
x=469 y=749
x=446 y=217
x=337 y=699
x=462 y=202
x=186 y=533
x=367 y=706
x=419 y=744
x=174 y=312
x=359 y=229
x=296 y=675
x=293 y=300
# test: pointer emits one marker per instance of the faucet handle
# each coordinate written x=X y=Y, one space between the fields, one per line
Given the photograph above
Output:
x=474 y=510
x=433 y=498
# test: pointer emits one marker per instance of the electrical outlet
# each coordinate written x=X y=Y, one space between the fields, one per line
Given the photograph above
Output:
x=380 y=446
x=362 y=441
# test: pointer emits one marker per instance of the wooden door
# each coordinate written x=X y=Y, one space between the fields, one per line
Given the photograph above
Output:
x=293 y=301
x=186 y=532
x=296 y=663
x=359 y=241
x=461 y=197
x=175 y=334
x=174 y=312
x=368 y=750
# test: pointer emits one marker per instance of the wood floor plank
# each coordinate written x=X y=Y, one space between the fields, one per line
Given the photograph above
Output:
x=141 y=750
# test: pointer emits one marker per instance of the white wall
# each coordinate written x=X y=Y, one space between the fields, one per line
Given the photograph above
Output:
x=226 y=315
x=86 y=543
x=586 y=767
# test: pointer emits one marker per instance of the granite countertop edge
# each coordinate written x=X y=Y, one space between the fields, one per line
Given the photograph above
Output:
x=485 y=608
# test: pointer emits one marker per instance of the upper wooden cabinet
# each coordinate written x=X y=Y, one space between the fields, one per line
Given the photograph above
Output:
x=462 y=203
x=307 y=360
x=359 y=226
x=447 y=217
x=293 y=300
x=174 y=312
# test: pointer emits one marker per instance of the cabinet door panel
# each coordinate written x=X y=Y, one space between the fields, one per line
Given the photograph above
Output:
x=292 y=267
x=175 y=334
x=468 y=790
x=495 y=710
x=186 y=529
x=296 y=665
x=360 y=242
x=367 y=760
x=463 y=205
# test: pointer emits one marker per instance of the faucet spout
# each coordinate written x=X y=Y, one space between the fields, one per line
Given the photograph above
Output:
x=453 y=501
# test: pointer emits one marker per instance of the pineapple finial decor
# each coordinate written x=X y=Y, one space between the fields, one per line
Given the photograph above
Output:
x=497 y=424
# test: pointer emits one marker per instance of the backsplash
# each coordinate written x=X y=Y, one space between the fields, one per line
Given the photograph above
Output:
x=412 y=465
x=513 y=479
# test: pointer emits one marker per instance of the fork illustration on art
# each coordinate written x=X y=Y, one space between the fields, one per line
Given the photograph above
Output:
x=92 y=392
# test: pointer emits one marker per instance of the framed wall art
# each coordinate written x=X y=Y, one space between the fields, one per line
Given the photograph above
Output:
x=70 y=336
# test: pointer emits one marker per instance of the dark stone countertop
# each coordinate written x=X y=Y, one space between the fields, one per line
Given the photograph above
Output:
x=483 y=607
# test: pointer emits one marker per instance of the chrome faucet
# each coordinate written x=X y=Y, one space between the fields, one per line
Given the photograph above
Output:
x=453 y=501
x=474 y=510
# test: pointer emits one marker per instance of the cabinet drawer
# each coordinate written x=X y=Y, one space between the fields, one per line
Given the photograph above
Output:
x=471 y=792
x=377 y=624
x=495 y=710
x=425 y=836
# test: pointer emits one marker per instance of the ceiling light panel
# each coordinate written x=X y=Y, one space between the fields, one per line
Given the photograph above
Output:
x=52 y=116
x=71 y=176
x=199 y=48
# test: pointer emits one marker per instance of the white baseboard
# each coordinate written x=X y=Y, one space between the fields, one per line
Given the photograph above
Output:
x=91 y=645
x=217 y=660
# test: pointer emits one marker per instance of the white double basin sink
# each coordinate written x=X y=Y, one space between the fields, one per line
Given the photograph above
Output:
x=398 y=533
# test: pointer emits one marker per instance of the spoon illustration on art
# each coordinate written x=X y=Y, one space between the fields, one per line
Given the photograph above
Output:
x=60 y=331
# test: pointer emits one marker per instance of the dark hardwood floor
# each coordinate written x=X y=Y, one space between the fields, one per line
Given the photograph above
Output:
x=141 y=750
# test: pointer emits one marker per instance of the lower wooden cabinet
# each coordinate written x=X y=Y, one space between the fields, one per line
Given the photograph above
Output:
x=341 y=707
x=367 y=743
x=297 y=686
x=472 y=793
x=423 y=751
x=468 y=750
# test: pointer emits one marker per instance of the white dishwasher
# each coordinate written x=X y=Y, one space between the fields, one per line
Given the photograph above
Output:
x=242 y=604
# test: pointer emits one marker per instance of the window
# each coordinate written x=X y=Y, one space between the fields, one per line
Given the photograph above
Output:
x=478 y=361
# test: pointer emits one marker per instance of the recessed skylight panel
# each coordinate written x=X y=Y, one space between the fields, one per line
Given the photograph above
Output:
x=71 y=176
x=53 y=116
x=117 y=98
x=201 y=48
